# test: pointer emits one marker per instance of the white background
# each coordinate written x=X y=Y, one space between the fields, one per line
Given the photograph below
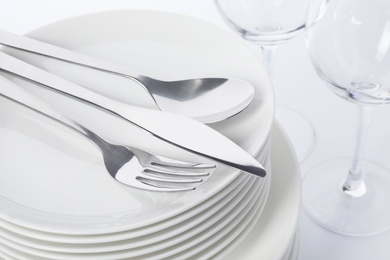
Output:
x=296 y=86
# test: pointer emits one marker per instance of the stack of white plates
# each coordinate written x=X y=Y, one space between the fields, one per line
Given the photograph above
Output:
x=58 y=202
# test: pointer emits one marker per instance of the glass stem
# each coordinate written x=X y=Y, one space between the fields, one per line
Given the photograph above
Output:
x=354 y=185
x=268 y=58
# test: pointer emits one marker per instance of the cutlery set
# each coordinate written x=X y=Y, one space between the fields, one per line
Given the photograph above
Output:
x=177 y=102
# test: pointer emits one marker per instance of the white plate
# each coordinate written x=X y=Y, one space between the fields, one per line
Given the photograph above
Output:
x=131 y=234
x=295 y=252
x=208 y=222
x=203 y=225
x=188 y=243
x=156 y=43
x=166 y=237
x=271 y=236
x=139 y=236
x=207 y=249
x=152 y=231
x=273 y=232
x=5 y=256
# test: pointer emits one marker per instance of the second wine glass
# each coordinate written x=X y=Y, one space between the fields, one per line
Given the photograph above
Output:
x=269 y=23
x=349 y=46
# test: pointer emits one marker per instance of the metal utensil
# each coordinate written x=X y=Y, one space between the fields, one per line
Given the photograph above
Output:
x=182 y=132
x=125 y=164
x=199 y=98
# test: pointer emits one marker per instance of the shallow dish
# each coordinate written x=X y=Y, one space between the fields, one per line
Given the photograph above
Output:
x=68 y=163
x=272 y=234
x=156 y=241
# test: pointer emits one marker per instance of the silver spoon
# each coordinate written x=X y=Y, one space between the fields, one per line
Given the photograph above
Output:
x=207 y=100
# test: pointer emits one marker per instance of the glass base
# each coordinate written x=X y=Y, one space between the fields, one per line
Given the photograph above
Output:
x=329 y=206
x=299 y=130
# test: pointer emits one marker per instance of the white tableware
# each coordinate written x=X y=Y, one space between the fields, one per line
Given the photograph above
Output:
x=210 y=206
x=85 y=211
x=200 y=223
x=203 y=230
x=231 y=190
x=190 y=244
x=187 y=244
x=295 y=252
x=5 y=256
x=272 y=234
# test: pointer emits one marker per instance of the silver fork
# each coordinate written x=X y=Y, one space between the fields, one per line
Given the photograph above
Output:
x=125 y=164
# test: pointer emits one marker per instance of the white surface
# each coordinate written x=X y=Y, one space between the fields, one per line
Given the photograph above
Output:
x=216 y=234
x=163 y=53
x=284 y=201
x=297 y=86
x=205 y=222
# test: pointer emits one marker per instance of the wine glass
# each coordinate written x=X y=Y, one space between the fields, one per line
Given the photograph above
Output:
x=349 y=46
x=269 y=23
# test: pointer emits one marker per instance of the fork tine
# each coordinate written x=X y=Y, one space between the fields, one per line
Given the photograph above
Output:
x=171 y=185
x=167 y=173
x=167 y=181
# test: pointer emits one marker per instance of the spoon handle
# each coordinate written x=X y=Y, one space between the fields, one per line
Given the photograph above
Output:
x=27 y=44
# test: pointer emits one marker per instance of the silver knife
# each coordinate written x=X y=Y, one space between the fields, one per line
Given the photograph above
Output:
x=182 y=132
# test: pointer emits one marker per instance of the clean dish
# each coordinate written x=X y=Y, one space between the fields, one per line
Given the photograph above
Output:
x=207 y=250
x=103 y=206
x=283 y=200
x=199 y=231
x=211 y=205
x=272 y=234
x=156 y=231
x=4 y=256
x=145 y=236
x=216 y=218
x=166 y=237
x=240 y=216
x=230 y=190
x=295 y=253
